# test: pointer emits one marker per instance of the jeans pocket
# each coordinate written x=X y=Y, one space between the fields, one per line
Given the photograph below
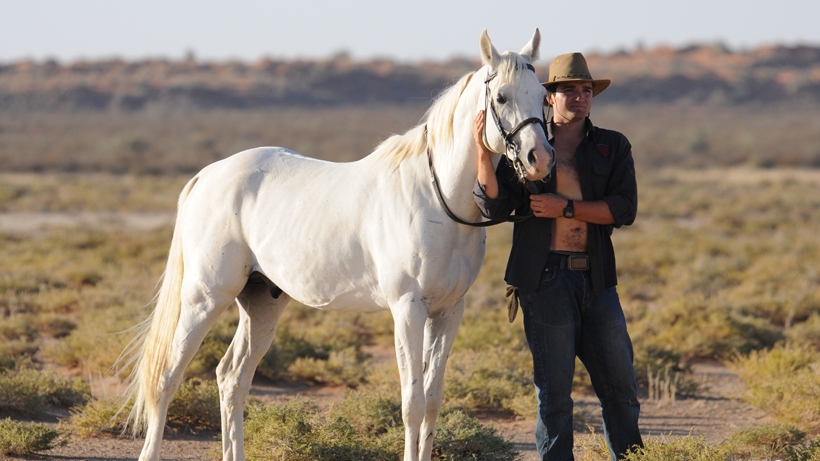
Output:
x=548 y=275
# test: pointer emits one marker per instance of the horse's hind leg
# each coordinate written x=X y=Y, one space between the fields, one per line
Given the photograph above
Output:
x=259 y=314
x=439 y=334
x=201 y=307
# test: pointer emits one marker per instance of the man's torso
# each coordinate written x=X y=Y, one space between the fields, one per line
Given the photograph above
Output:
x=568 y=234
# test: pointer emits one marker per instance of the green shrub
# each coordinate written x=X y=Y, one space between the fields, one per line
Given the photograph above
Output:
x=680 y=449
x=18 y=438
x=28 y=391
x=294 y=432
x=371 y=410
x=347 y=366
x=103 y=416
x=357 y=429
x=808 y=452
x=494 y=379
x=462 y=438
x=766 y=441
x=784 y=382
x=195 y=405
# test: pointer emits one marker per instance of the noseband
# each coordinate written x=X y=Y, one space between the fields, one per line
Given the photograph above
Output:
x=511 y=147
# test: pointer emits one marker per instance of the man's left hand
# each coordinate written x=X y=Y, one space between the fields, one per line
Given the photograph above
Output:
x=547 y=205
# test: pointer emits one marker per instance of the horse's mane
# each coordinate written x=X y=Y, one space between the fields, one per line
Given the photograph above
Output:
x=438 y=120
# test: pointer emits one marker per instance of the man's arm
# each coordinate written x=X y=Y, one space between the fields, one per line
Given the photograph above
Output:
x=552 y=206
x=486 y=170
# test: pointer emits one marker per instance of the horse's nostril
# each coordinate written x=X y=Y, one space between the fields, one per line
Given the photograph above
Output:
x=531 y=157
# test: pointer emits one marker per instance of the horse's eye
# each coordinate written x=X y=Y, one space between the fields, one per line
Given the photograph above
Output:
x=500 y=99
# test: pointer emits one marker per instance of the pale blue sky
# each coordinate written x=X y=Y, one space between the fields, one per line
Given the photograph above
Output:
x=408 y=30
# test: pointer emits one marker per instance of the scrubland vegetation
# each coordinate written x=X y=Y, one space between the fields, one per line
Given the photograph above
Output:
x=723 y=264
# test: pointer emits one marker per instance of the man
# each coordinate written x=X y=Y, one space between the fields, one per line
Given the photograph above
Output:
x=563 y=263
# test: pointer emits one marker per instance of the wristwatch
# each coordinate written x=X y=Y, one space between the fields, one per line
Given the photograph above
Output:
x=569 y=211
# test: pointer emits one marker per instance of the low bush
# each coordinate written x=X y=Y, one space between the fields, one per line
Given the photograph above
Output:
x=494 y=379
x=196 y=405
x=807 y=452
x=19 y=438
x=784 y=382
x=680 y=449
x=99 y=416
x=28 y=391
x=296 y=432
x=765 y=442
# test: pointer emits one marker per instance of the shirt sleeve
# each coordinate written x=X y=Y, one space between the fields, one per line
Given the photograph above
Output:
x=510 y=194
x=622 y=189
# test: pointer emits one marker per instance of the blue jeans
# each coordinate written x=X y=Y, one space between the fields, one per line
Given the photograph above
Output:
x=564 y=318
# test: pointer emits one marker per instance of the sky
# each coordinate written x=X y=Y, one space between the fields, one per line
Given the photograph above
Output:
x=407 y=30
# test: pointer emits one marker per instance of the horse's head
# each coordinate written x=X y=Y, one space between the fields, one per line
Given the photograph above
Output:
x=514 y=109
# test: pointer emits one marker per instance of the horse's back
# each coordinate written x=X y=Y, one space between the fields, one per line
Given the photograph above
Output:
x=296 y=219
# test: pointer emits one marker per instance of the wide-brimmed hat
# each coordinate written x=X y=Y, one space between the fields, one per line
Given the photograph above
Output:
x=572 y=67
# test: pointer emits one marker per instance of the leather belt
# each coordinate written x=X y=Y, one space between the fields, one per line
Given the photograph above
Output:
x=567 y=260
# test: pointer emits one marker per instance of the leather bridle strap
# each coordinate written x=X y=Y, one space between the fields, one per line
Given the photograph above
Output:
x=448 y=212
x=509 y=143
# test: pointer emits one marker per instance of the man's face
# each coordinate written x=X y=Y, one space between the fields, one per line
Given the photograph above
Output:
x=572 y=100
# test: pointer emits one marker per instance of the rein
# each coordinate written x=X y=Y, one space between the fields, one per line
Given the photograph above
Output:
x=450 y=213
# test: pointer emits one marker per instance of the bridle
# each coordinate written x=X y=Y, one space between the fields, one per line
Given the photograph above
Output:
x=512 y=150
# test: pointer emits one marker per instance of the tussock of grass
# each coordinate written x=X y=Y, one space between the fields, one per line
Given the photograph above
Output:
x=680 y=449
x=195 y=406
x=807 y=452
x=347 y=366
x=295 y=432
x=99 y=416
x=784 y=382
x=766 y=441
x=28 y=391
x=18 y=438
x=495 y=379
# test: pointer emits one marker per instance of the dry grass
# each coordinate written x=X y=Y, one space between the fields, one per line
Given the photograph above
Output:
x=723 y=261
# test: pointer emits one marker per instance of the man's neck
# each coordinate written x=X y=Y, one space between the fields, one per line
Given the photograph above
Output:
x=569 y=130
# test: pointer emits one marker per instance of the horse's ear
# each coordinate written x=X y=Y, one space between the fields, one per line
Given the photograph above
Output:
x=489 y=55
x=533 y=48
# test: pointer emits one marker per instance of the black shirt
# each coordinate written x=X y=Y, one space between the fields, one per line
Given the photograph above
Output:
x=606 y=172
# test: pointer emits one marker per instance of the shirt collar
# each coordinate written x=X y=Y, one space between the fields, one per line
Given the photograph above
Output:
x=588 y=127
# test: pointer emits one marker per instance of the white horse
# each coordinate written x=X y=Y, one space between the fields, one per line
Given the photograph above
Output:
x=267 y=225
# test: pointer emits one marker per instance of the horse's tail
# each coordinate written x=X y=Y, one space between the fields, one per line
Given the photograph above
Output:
x=152 y=343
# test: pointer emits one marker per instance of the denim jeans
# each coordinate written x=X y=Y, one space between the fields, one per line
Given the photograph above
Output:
x=564 y=318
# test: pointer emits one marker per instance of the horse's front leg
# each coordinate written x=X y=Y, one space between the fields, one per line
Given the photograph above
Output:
x=409 y=316
x=439 y=334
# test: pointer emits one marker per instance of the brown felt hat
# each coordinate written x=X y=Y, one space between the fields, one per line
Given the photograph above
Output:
x=572 y=67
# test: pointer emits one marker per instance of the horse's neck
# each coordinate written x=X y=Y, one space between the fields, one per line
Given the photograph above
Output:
x=456 y=164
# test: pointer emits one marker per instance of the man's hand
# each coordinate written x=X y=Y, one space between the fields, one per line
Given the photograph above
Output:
x=478 y=133
x=547 y=205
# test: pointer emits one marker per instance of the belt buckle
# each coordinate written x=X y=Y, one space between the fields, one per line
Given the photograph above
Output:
x=578 y=262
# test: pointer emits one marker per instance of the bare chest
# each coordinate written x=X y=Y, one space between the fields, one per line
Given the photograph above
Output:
x=568 y=234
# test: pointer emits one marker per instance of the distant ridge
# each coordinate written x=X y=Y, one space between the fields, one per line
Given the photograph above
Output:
x=699 y=74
